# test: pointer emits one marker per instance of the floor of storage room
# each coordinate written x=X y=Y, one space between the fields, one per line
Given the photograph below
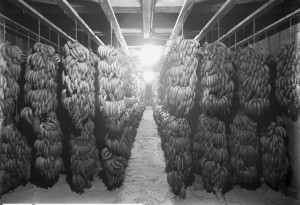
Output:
x=145 y=182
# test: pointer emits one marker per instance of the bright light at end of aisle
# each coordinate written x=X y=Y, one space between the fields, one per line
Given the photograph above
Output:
x=148 y=76
x=150 y=54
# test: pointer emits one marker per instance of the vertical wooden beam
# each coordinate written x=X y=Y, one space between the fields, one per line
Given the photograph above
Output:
x=147 y=8
x=225 y=8
x=67 y=8
x=111 y=17
x=35 y=14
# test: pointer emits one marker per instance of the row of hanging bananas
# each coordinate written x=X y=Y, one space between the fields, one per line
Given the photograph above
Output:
x=122 y=114
x=244 y=148
x=253 y=80
x=15 y=153
x=288 y=78
x=15 y=157
x=40 y=96
x=216 y=74
x=84 y=157
x=78 y=78
x=210 y=152
x=275 y=160
x=78 y=98
x=181 y=78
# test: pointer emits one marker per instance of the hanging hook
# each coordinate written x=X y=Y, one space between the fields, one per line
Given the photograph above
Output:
x=110 y=34
x=28 y=41
x=39 y=24
x=254 y=33
x=4 y=32
x=76 y=30
x=182 y=28
x=290 y=29
x=234 y=40
x=58 y=42
x=218 y=29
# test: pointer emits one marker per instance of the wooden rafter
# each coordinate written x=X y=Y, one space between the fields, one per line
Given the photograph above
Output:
x=252 y=16
x=148 y=7
x=111 y=17
x=67 y=8
x=226 y=7
x=35 y=14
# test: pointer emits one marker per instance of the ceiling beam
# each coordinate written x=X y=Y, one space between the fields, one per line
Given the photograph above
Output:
x=147 y=6
x=227 y=6
x=35 y=14
x=111 y=17
x=69 y=10
x=252 y=16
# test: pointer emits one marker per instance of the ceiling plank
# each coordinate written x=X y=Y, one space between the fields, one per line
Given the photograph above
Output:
x=147 y=7
x=226 y=7
x=35 y=14
x=111 y=17
x=67 y=8
x=252 y=16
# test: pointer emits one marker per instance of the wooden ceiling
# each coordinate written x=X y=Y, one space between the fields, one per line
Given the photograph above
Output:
x=140 y=21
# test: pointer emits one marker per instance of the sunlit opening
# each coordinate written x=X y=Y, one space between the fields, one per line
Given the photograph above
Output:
x=150 y=54
x=148 y=76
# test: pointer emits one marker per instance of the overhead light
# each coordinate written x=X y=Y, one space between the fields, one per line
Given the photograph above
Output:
x=149 y=54
x=148 y=76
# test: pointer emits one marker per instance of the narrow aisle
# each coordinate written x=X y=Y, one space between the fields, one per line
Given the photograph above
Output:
x=146 y=180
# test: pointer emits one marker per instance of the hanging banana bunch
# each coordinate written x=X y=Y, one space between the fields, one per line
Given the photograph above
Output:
x=253 y=80
x=244 y=148
x=79 y=99
x=216 y=79
x=40 y=95
x=275 y=154
x=15 y=153
x=210 y=153
x=121 y=109
x=287 y=78
x=181 y=76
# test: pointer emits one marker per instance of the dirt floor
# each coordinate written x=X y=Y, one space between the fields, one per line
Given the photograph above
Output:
x=145 y=182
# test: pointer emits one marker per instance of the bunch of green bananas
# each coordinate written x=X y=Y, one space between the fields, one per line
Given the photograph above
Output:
x=40 y=95
x=15 y=157
x=78 y=77
x=79 y=99
x=210 y=152
x=181 y=76
x=216 y=74
x=288 y=78
x=175 y=135
x=274 y=153
x=122 y=110
x=84 y=157
x=244 y=148
x=253 y=80
x=10 y=60
x=15 y=153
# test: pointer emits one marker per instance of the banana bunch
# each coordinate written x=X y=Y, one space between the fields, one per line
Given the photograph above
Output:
x=244 y=148
x=175 y=180
x=210 y=152
x=275 y=154
x=181 y=78
x=48 y=147
x=78 y=77
x=84 y=157
x=15 y=157
x=40 y=96
x=10 y=69
x=253 y=77
x=287 y=78
x=113 y=88
x=216 y=74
